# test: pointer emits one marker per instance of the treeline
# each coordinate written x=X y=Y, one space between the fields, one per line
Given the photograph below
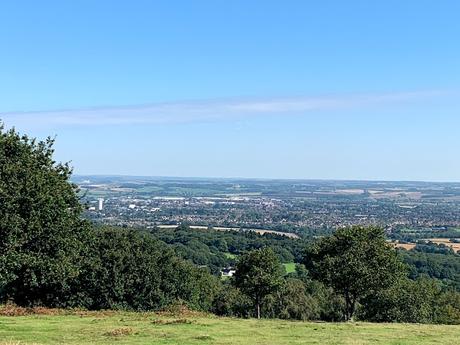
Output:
x=424 y=261
x=352 y=274
x=50 y=256
x=412 y=236
x=426 y=282
x=210 y=248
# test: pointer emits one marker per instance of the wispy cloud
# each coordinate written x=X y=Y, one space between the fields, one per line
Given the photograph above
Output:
x=208 y=110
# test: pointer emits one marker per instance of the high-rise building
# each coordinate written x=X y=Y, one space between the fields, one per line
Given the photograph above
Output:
x=100 y=204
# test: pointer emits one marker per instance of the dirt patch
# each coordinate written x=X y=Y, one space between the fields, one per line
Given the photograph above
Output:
x=120 y=332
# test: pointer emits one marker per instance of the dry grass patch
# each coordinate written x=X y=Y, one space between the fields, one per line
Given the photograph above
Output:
x=119 y=332
x=14 y=342
x=182 y=311
x=204 y=337
x=13 y=310
x=407 y=246
x=172 y=322
x=10 y=309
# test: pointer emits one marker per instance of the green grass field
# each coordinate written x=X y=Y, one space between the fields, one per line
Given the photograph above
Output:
x=136 y=328
x=289 y=267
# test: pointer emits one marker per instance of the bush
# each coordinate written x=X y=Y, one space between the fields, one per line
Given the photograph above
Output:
x=230 y=301
x=419 y=301
x=292 y=301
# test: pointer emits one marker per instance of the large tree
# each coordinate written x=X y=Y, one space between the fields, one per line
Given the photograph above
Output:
x=258 y=274
x=356 y=262
x=41 y=231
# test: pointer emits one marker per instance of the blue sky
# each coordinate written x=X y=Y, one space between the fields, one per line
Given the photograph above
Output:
x=276 y=89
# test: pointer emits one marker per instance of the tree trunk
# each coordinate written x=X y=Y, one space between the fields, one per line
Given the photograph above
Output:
x=352 y=309
x=349 y=306
x=258 y=310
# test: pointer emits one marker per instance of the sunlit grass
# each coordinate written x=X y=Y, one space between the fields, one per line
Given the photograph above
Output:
x=289 y=267
x=148 y=328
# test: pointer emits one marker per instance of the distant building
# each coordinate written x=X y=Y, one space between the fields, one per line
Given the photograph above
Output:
x=100 y=204
x=228 y=272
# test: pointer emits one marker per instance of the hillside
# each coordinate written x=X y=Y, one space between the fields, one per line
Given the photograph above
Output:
x=60 y=327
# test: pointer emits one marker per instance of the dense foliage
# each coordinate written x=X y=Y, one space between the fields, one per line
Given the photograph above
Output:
x=49 y=256
x=128 y=269
x=211 y=248
x=420 y=301
x=356 y=262
x=426 y=261
x=41 y=232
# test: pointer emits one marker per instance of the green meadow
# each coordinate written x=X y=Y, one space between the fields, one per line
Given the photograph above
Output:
x=148 y=328
x=289 y=267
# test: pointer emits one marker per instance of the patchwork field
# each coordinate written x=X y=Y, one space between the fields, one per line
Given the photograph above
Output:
x=147 y=328
x=446 y=242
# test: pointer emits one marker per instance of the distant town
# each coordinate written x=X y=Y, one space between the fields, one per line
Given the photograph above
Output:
x=276 y=205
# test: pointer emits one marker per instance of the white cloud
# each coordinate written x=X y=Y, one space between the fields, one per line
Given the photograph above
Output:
x=210 y=110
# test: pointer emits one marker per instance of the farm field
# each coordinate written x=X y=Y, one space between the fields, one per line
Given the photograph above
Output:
x=191 y=328
x=407 y=246
x=220 y=228
x=446 y=242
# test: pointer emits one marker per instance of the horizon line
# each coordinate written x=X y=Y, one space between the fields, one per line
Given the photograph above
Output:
x=265 y=178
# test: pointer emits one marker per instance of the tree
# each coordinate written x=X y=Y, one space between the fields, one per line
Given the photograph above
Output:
x=258 y=274
x=356 y=262
x=41 y=232
x=50 y=256
x=130 y=269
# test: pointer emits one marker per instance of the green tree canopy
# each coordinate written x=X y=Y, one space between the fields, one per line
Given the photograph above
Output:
x=130 y=269
x=258 y=274
x=41 y=231
x=356 y=262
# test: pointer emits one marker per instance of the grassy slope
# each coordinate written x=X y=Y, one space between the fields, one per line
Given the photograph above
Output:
x=98 y=328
